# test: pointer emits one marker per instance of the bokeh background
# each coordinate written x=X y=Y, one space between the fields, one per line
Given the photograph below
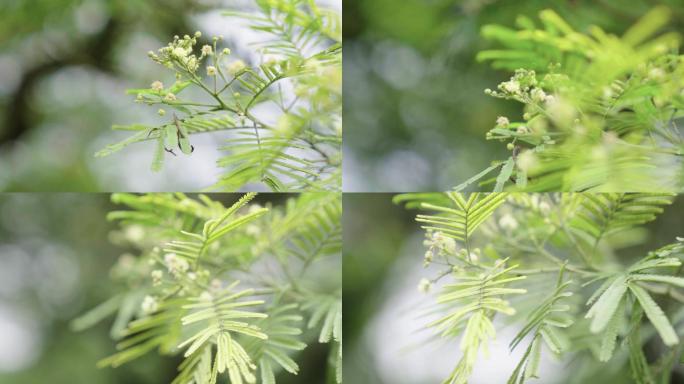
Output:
x=56 y=253
x=64 y=69
x=384 y=328
x=415 y=112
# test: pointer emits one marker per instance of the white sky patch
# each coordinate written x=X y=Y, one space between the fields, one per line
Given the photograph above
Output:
x=20 y=337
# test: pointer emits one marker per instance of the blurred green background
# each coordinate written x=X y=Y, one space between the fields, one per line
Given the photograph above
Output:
x=415 y=112
x=385 y=337
x=56 y=252
x=64 y=69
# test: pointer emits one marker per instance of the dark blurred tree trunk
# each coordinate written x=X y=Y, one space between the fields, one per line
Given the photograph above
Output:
x=95 y=52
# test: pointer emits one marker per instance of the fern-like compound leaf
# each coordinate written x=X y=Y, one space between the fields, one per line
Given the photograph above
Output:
x=218 y=321
x=460 y=219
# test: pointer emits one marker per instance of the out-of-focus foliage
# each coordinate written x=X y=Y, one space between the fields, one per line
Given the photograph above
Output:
x=419 y=125
x=555 y=261
x=300 y=148
x=55 y=261
x=239 y=292
x=61 y=257
x=600 y=111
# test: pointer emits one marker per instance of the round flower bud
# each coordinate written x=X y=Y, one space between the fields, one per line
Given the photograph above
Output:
x=157 y=86
x=502 y=121
x=179 y=53
x=424 y=285
x=149 y=304
x=511 y=86
x=508 y=222
x=236 y=67
x=156 y=277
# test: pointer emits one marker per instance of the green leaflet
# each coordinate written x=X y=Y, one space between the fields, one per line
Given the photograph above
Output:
x=673 y=280
x=556 y=341
x=184 y=145
x=475 y=178
x=171 y=136
x=183 y=137
x=504 y=175
x=529 y=364
x=647 y=26
x=641 y=371
x=655 y=315
x=416 y=200
x=97 y=314
x=532 y=368
x=610 y=334
x=283 y=329
x=113 y=148
x=327 y=312
x=605 y=307
x=158 y=160
x=521 y=179
x=542 y=320
x=338 y=364
x=146 y=334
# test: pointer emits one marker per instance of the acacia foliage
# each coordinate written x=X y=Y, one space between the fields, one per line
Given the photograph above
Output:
x=551 y=264
x=283 y=108
x=238 y=291
x=601 y=111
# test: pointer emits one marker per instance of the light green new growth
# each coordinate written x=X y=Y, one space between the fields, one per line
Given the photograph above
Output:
x=180 y=292
x=298 y=74
x=600 y=110
x=551 y=264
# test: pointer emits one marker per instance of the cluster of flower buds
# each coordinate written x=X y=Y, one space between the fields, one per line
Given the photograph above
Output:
x=424 y=285
x=438 y=244
x=508 y=223
x=156 y=275
x=179 y=54
x=149 y=304
x=524 y=87
x=176 y=265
